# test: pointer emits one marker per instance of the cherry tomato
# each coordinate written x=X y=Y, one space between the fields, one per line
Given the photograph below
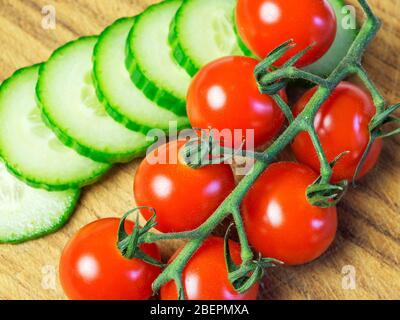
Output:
x=183 y=197
x=224 y=95
x=205 y=277
x=263 y=25
x=342 y=125
x=279 y=220
x=92 y=268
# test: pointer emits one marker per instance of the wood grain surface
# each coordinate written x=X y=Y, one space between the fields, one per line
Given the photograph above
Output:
x=368 y=241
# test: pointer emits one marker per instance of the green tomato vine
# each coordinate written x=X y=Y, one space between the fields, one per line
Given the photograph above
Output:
x=322 y=193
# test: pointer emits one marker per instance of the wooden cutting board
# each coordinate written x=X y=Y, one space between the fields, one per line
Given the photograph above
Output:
x=367 y=248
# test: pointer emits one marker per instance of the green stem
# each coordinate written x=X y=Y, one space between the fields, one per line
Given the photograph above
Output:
x=284 y=107
x=326 y=169
x=259 y=156
x=294 y=73
x=378 y=99
x=227 y=207
x=304 y=122
x=246 y=253
x=154 y=237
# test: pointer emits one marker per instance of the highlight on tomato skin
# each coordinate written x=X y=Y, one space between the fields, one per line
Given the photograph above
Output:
x=92 y=268
x=279 y=220
x=205 y=277
x=342 y=125
x=183 y=197
x=263 y=25
x=224 y=95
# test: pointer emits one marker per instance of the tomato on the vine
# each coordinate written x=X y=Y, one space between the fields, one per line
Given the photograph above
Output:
x=182 y=197
x=342 y=126
x=263 y=25
x=279 y=220
x=224 y=95
x=92 y=268
x=205 y=277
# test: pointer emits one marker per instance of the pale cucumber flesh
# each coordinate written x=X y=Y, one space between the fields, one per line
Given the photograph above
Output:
x=204 y=31
x=148 y=44
x=29 y=148
x=67 y=95
x=27 y=213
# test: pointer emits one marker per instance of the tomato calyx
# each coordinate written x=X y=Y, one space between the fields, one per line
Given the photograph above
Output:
x=250 y=272
x=324 y=194
x=128 y=244
x=271 y=80
x=263 y=68
x=376 y=132
x=206 y=150
x=272 y=83
x=384 y=118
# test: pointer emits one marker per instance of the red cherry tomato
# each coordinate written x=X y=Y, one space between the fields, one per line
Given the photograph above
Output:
x=92 y=268
x=342 y=125
x=205 y=277
x=183 y=197
x=224 y=95
x=263 y=25
x=279 y=220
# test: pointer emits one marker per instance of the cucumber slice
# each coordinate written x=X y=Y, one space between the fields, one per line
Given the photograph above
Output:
x=27 y=213
x=203 y=31
x=30 y=149
x=149 y=58
x=122 y=99
x=343 y=41
x=67 y=96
